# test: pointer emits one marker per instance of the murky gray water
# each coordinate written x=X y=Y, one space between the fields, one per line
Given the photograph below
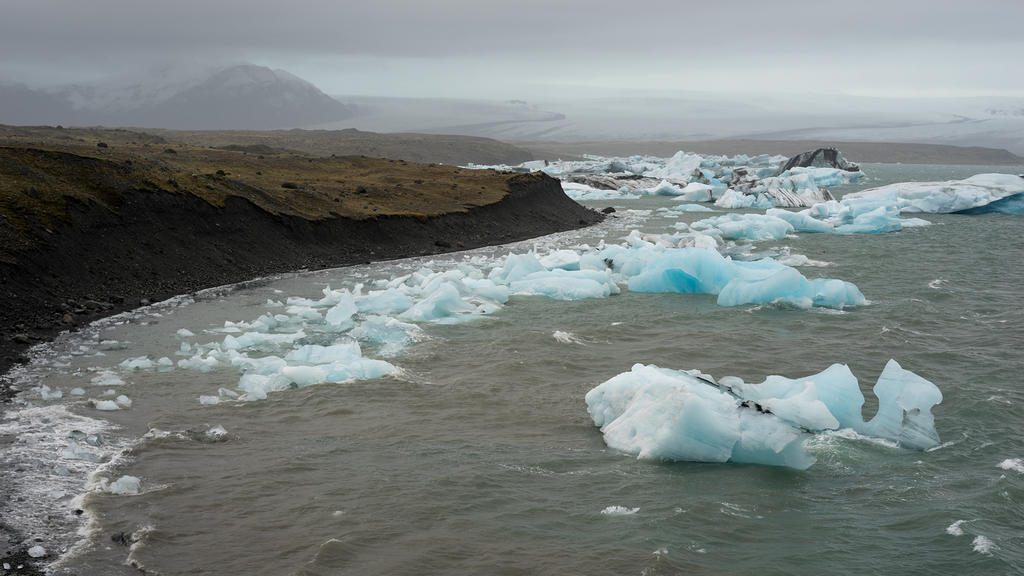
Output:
x=481 y=458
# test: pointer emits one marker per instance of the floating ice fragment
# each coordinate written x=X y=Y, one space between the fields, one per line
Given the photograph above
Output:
x=1014 y=464
x=692 y=208
x=105 y=405
x=125 y=485
x=46 y=393
x=746 y=226
x=184 y=333
x=339 y=317
x=137 y=363
x=106 y=378
x=733 y=199
x=619 y=511
x=209 y=400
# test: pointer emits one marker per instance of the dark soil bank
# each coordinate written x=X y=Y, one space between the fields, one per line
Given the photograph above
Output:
x=161 y=244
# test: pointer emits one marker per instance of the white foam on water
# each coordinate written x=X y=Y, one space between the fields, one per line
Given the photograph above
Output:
x=54 y=454
x=954 y=529
x=566 y=337
x=1013 y=464
x=982 y=545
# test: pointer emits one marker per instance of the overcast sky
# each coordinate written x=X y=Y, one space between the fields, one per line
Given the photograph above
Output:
x=534 y=48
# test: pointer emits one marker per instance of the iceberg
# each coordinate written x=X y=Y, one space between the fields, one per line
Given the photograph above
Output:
x=658 y=413
x=691 y=208
x=746 y=226
x=980 y=193
x=704 y=271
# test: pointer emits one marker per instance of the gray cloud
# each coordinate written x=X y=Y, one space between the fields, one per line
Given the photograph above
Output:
x=412 y=48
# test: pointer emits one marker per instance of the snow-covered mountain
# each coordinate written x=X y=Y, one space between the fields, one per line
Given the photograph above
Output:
x=234 y=97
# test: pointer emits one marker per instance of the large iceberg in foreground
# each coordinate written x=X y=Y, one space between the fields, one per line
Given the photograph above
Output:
x=657 y=413
x=977 y=194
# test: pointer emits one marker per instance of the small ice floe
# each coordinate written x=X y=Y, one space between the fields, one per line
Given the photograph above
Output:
x=145 y=363
x=106 y=378
x=184 y=333
x=619 y=511
x=692 y=208
x=1014 y=464
x=112 y=345
x=122 y=402
x=46 y=393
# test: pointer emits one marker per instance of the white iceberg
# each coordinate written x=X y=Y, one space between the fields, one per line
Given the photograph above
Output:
x=657 y=413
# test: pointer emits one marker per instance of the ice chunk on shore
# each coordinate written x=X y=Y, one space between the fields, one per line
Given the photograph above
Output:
x=660 y=413
x=977 y=194
x=579 y=191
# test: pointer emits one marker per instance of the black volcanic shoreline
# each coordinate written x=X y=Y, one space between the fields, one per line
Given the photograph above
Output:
x=161 y=244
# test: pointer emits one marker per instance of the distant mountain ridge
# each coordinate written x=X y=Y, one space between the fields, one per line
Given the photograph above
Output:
x=234 y=97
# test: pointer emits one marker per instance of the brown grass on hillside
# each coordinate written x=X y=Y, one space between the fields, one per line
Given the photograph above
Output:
x=40 y=168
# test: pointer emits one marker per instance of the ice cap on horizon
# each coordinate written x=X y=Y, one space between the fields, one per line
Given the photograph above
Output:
x=658 y=413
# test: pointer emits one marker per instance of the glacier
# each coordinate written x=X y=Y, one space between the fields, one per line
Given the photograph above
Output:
x=659 y=413
x=981 y=193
